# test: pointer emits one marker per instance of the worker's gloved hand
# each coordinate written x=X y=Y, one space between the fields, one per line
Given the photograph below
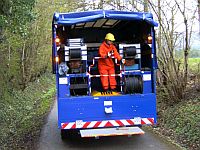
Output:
x=109 y=54
x=123 y=61
x=112 y=52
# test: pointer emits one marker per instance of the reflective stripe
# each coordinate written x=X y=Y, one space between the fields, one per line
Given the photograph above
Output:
x=146 y=121
x=114 y=123
x=92 y=124
x=109 y=123
x=103 y=123
x=69 y=125
x=125 y=122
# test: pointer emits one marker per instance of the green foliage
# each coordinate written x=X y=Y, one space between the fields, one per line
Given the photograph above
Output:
x=16 y=15
x=194 y=65
x=5 y=6
x=194 y=53
x=22 y=112
x=184 y=119
x=25 y=36
x=15 y=18
x=25 y=46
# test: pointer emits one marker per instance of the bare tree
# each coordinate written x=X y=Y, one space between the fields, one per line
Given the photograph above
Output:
x=146 y=6
x=198 y=5
x=101 y=3
x=173 y=79
x=186 y=48
x=93 y=4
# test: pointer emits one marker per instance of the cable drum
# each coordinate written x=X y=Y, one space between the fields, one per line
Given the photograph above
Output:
x=129 y=52
x=75 y=54
x=133 y=85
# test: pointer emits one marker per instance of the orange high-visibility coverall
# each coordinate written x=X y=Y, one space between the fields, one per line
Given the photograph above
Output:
x=106 y=65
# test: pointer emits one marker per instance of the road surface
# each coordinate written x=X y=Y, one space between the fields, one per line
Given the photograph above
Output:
x=50 y=140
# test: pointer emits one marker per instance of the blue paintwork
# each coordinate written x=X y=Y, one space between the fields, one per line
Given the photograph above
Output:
x=133 y=67
x=87 y=108
x=147 y=87
x=88 y=16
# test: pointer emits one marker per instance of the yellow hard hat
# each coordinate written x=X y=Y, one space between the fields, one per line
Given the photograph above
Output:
x=110 y=36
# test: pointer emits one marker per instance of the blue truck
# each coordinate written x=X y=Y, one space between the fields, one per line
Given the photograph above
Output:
x=82 y=104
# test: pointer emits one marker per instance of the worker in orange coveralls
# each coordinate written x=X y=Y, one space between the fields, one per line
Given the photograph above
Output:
x=106 y=64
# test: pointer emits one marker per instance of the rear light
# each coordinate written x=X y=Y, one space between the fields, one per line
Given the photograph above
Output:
x=57 y=59
x=57 y=40
x=149 y=39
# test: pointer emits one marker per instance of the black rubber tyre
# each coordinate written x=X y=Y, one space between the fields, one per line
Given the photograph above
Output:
x=69 y=134
x=64 y=134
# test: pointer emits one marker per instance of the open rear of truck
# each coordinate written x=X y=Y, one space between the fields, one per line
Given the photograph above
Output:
x=82 y=104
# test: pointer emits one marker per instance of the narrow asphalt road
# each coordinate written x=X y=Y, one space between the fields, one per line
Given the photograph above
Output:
x=50 y=140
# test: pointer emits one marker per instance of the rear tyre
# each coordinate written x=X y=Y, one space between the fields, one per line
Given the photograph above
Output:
x=64 y=134
x=69 y=134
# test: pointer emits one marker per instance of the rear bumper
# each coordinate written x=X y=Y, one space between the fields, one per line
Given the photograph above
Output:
x=106 y=111
x=107 y=123
x=111 y=132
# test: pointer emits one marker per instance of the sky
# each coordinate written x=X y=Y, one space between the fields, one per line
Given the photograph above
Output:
x=191 y=10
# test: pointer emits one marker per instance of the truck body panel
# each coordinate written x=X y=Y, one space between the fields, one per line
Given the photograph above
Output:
x=89 y=108
x=82 y=104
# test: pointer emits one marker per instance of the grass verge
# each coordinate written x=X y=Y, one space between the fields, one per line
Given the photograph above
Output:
x=22 y=113
x=181 y=122
x=194 y=65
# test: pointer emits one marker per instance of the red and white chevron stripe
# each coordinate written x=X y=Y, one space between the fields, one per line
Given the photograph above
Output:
x=107 y=123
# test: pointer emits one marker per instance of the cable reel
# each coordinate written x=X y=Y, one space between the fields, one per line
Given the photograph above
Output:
x=129 y=52
x=75 y=54
x=133 y=84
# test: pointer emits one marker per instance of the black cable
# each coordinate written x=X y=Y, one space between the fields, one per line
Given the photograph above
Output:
x=133 y=85
x=75 y=53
